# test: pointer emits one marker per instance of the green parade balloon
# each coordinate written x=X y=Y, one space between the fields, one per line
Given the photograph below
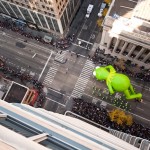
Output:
x=116 y=82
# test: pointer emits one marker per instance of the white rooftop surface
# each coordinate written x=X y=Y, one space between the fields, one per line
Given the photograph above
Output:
x=74 y=131
x=142 y=10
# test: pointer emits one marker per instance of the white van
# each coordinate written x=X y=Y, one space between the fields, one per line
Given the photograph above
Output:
x=89 y=10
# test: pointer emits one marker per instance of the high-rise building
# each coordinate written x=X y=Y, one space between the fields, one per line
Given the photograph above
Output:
x=25 y=127
x=49 y=15
x=126 y=31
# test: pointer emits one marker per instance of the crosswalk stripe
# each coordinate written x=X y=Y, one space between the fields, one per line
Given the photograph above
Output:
x=83 y=79
x=53 y=70
x=60 y=57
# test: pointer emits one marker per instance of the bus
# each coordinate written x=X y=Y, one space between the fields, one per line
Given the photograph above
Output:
x=89 y=10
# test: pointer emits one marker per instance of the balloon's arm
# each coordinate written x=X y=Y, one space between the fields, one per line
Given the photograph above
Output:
x=111 y=68
x=110 y=89
x=131 y=89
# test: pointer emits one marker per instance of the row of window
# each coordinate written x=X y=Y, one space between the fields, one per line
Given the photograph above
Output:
x=30 y=16
x=38 y=18
x=27 y=5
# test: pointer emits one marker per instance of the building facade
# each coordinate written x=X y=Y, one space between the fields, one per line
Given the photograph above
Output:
x=53 y=16
x=38 y=129
x=126 y=31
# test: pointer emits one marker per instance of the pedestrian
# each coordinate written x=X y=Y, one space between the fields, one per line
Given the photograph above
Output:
x=66 y=70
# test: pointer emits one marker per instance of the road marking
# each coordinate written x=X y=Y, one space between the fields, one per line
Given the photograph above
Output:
x=45 y=66
x=141 y=86
x=40 y=68
x=140 y=108
x=82 y=27
x=34 y=45
x=20 y=53
x=126 y=7
x=34 y=55
x=17 y=58
x=2 y=40
x=75 y=53
x=56 y=91
x=31 y=44
x=143 y=103
x=85 y=41
x=78 y=45
x=55 y=101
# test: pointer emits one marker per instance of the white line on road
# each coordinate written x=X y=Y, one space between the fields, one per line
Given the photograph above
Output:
x=56 y=91
x=17 y=58
x=140 y=108
x=55 y=101
x=85 y=41
x=145 y=87
x=79 y=46
x=143 y=103
x=34 y=55
x=45 y=66
x=20 y=53
x=75 y=53
x=82 y=27
x=126 y=7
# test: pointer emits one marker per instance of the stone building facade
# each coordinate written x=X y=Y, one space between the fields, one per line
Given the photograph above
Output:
x=50 y=15
x=126 y=31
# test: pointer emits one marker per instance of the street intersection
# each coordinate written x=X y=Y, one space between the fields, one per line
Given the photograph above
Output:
x=63 y=73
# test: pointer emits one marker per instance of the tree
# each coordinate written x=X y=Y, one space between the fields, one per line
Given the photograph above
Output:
x=105 y=11
x=107 y=1
x=120 y=117
x=99 y=22
x=129 y=120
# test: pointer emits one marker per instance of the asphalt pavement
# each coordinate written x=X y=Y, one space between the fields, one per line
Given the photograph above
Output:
x=65 y=77
x=85 y=29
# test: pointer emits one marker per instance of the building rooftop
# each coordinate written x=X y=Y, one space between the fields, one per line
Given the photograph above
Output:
x=123 y=8
x=131 y=8
x=142 y=10
x=56 y=131
x=16 y=93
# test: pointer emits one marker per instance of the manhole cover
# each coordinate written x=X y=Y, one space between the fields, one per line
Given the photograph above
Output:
x=85 y=27
x=32 y=73
x=20 y=45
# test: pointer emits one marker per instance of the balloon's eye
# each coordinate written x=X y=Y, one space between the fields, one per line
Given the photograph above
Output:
x=97 y=67
x=94 y=73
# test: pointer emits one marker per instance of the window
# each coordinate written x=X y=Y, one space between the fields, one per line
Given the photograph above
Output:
x=43 y=6
x=19 y=127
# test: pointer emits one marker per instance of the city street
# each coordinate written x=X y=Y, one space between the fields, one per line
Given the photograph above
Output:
x=64 y=74
x=85 y=29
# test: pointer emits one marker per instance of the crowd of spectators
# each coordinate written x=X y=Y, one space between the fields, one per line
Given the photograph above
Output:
x=100 y=115
x=20 y=29
x=100 y=58
x=117 y=99
x=11 y=74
